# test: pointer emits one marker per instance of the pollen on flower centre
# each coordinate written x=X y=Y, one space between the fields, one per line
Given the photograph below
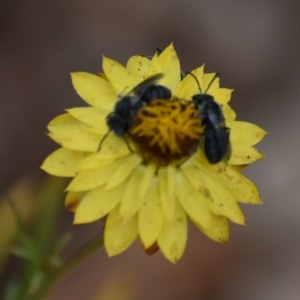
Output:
x=165 y=131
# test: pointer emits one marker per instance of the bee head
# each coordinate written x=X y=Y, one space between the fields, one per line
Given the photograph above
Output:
x=202 y=99
x=117 y=124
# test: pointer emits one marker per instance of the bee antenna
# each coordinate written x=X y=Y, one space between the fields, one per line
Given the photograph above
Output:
x=216 y=75
x=190 y=73
x=101 y=142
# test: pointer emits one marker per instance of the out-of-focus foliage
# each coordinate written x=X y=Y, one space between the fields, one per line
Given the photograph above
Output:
x=22 y=194
x=34 y=242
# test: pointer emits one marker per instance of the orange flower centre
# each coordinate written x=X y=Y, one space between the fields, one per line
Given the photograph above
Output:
x=165 y=131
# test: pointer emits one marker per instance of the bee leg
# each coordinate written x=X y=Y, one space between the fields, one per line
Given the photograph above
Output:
x=101 y=142
x=127 y=144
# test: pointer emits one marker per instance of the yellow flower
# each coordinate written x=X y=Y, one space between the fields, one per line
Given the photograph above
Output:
x=152 y=191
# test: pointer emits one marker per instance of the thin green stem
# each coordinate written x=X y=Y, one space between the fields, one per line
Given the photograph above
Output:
x=52 y=278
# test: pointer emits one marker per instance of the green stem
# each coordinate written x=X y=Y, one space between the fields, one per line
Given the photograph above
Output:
x=52 y=278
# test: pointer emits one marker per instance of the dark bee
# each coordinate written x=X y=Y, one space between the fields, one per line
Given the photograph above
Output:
x=216 y=134
x=128 y=106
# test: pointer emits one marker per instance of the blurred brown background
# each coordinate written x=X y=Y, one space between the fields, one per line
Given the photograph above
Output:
x=255 y=46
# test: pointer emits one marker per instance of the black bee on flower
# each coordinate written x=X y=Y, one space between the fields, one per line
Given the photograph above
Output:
x=216 y=134
x=126 y=109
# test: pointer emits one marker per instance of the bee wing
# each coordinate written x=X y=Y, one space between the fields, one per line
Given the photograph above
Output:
x=216 y=144
x=135 y=93
x=141 y=87
x=214 y=115
x=215 y=121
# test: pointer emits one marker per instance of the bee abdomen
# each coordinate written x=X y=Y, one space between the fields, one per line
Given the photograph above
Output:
x=216 y=144
x=156 y=92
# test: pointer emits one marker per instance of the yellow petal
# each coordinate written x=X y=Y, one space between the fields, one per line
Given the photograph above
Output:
x=154 y=66
x=63 y=162
x=73 y=199
x=92 y=161
x=167 y=192
x=138 y=67
x=92 y=117
x=118 y=236
x=150 y=217
x=222 y=95
x=120 y=78
x=75 y=139
x=224 y=202
x=169 y=61
x=192 y=201
x=112 y=148
x=126 y=167
x=210 y=85
x=72 y=134
x=130 y=201
x=243 y=189
x=97 y=203
x=65 y=120
x=240 y=168
x=245 y=133
x=192 y=172
x=146 y=180
x=229 y=113
x=225 y=205
x=94 y=90
x=243 y=155
x=218 y=231
x=188 y=87
x=92 y=178
x=205 y=83
x=171 y=179
x=248 y=192
x=173 y=237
